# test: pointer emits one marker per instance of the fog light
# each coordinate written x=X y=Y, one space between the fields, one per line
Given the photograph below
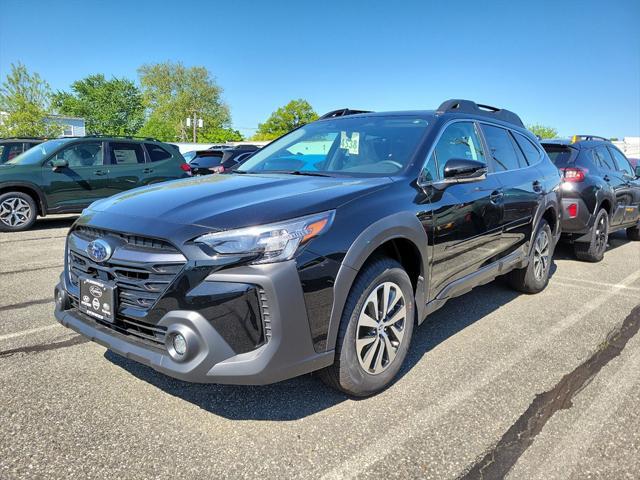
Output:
x=179 y=344
x=60 y=299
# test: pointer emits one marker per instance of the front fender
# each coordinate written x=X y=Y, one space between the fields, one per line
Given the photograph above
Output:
x=402 y=225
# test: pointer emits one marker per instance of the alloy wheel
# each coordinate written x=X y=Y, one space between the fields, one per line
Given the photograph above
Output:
x=601 y=234
x=14 y=212
x=381 y=327
x=541 y=254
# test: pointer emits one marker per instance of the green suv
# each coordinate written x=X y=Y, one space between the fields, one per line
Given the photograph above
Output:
x=65 y=175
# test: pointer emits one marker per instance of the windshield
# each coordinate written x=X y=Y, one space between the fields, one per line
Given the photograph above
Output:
x=38 y=153
x=188 y=156
x=371 y=145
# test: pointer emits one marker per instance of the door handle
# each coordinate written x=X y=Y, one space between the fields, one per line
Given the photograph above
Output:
x=496 y=196
x=147 y=170
x=101 y=173
x=537 y=187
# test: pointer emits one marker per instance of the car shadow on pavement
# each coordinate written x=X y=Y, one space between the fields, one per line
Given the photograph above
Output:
x=305 y=395
x=48 y=223
x=564 y=250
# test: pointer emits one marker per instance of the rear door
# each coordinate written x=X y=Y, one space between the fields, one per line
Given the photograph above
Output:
x=520 y=186
x=630 y=193
x=615 y=183
x=127 y=168
x=84 y=180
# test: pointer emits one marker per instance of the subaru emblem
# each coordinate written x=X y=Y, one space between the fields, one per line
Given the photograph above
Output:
x=99 y=250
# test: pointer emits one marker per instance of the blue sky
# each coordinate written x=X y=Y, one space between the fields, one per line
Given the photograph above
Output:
x=572 y=65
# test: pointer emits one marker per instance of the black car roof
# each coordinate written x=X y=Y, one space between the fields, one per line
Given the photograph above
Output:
x=567 y=142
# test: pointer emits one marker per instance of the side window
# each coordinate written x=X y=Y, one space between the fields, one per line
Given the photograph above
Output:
x=621 y=160
x=458 y=140
x=501 y=148
x=603 y=159
x=156 y=152
x=13 y=150
x=531 y=152
x=124 y=153
x=82 y=154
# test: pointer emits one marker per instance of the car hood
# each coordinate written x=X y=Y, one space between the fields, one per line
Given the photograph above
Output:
x=234 y=200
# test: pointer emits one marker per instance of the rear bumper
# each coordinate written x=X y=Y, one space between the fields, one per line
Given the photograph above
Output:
x=288 y=351
x=581 y=224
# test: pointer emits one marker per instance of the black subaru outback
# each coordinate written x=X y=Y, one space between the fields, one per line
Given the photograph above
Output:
x=600 y=193
x=320 y=252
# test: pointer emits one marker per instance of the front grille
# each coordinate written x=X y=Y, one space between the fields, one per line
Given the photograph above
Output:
x=139 y=283
x=90 y=233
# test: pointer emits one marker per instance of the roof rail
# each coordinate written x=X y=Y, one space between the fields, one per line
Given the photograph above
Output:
x=23 y=138
x=468 y=106
x=583 y=138
x=129 y=137
x=342 y=113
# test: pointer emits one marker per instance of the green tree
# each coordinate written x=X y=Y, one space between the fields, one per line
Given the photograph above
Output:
x=543 y=131
x=109 y=107
x=25 y=99
x=293 y=115
x=172 y=93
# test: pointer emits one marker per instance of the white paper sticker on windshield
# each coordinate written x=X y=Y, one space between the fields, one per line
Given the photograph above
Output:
x=352 y=144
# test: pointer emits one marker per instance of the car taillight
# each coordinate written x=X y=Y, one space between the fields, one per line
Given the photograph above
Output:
x=218 y=169
x=185 y=168
x=572 y=210
x=573 y=175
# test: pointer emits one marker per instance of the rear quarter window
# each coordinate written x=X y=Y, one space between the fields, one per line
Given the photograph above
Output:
x=561 y=155
x=157 y=153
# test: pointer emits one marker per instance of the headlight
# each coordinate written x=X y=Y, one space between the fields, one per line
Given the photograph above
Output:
x=275 y=242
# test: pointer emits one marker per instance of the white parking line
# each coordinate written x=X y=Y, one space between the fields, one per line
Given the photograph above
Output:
x=420 y=421
x=592 y=282
x=29 y=332
x=617 y=291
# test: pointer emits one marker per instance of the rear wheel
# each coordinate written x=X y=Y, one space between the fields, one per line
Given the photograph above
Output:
x=375 y=331
x=18 y=211
x=593 y=250
x=535 y=276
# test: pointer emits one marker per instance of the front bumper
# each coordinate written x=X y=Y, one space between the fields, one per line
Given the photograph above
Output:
x=288 y=352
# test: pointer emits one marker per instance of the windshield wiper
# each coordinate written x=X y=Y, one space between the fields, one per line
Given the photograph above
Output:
x=308 y=173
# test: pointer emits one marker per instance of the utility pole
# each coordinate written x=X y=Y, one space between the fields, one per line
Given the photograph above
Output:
x=195 y=123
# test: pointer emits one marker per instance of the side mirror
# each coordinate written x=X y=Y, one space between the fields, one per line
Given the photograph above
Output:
x=464 y=170
x=59 y=164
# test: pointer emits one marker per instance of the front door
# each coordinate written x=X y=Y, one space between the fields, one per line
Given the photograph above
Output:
x=82 y=181
x=464 y=220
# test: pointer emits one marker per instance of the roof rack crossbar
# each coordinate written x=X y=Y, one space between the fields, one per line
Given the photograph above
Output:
x=342 y=113
x=468 y=106
x=577 y=138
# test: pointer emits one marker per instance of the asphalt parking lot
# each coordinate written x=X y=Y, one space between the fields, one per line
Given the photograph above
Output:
x=544 y=386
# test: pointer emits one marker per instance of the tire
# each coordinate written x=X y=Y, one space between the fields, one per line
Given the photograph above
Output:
x=535 y=276
x=593 y=250
x=364 y=372
x=18 y=212
x=633 y=233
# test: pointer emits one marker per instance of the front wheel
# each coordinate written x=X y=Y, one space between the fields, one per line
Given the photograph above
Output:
x=375 y=331
x=535 y=276
x=18 y=212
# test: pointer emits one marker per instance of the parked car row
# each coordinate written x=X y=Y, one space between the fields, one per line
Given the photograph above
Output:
x=65 y=175
x=218 y=160
x=324 y=250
